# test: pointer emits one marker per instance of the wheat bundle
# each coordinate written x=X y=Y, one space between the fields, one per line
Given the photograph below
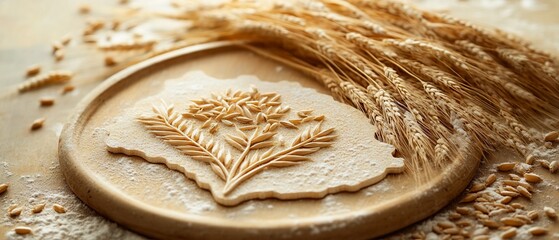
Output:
x=422 y=78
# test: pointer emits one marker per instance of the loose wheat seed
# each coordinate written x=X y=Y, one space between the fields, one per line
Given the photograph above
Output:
x=537 y=231
x=58 y=208
x=533 y=215
x=530 y=159
x=508 y=234
x=59 y=55
x=551 y=136
x=554 y=166
x=68 y=88
x=490 y=179
x=33 y=70
x=511 y=221
x=524 y=192
x=532 y=178
x=469 y=197
x=481 y=237
x=517 y=205
x=46 y=102
x=110 y=61
x=3 y=188
x=544 y=163
x=37 y=124
x=550 y=213
x=504 y=167
x=56 y=45
x=15 y=212
x=22 y=230
x=477 y=187
x=38 y=208
x=84 y=9
x=506 y=200
x=66 y=39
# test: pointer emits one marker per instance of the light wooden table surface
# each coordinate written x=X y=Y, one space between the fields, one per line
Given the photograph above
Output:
x=29 y=161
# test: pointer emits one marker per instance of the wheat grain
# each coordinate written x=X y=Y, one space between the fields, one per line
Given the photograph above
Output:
x=538 y=231
x=46 y=102
x=33 y=70
x=59 y=55
x=550 y=213
x=58 y=208
x=38 y=208
x=15 y=212
x=532 y=178
x=505 y=167
x=490 y=179
x=37 y=124
x=20 y=230
x=524 y=192
x=3 y=188
x=508 y=234
x=67 y=89
x=551 y=136
x=84 y=9
x=110 y=61
x=553 y=166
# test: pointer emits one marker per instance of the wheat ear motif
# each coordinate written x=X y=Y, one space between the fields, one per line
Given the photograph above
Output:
x=257 y=148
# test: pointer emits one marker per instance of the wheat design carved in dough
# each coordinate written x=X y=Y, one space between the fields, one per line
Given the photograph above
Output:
x=255 y=145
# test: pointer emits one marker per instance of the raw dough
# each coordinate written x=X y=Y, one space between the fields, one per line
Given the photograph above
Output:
x=354 y=160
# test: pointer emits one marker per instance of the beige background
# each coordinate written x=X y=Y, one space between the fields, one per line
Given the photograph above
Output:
x=28 y=161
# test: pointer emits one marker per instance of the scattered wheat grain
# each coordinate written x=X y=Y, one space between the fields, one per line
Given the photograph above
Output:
x=554 y=166
x=33 y=70
x=67 y=89
x=505 y=167
x=3 y=188
x=38 y=208
x=46 y=101
x=551 y=136
x=22 y=230
x=37 y=124
x=110 y=61
x=508 y=234
x=58 y=208
x=550 y=213
x=84 y=9
x=532 y=178
x=538 y=231
x=15 y=212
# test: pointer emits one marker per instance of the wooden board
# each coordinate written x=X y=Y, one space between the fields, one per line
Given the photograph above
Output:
x=140 y=202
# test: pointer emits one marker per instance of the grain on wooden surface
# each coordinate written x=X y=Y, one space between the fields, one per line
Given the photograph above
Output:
x=58 y=208
x=508 y=234
x=33 y=70
x=551 y=136
x=38 y=208
x=110 y=61
x=46 y=101
x=84 y=8
x=22 y=230
x=15 y=212
x=504 y=167
x=37 y=124
x=550 y=212
x=67 y=89
x=538 y=231
x=3 y=188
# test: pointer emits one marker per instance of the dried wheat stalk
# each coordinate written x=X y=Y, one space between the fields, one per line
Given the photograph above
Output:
x=420 y=77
